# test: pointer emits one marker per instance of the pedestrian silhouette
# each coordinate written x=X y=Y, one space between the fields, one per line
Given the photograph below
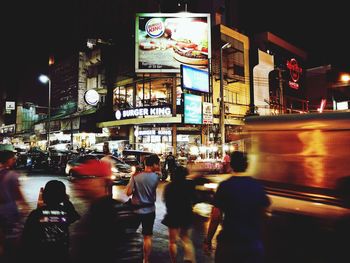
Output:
x=179 y=215
x=226 y=163
x=109 y=163
x=107 y=235
x=12 y=205
x=240 y=201
x=339 y=245
x=46 y=231
x=142 y=186
x=170 y=164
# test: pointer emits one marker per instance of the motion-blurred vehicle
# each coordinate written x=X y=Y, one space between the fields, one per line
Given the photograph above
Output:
x=121 y=171
x=301 y=159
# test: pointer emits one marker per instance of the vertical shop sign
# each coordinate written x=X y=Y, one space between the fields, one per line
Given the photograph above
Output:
x=192 y=109
x=207 y=113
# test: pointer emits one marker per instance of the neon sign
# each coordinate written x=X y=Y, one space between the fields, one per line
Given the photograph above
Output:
x=295 y=72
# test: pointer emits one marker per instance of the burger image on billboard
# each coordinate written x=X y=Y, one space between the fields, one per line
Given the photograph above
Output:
x=165 y=41
x=191 y=44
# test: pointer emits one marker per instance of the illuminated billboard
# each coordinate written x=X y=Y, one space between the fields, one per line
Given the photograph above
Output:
x=194 y=78
x=165 y=41
x=192 y=109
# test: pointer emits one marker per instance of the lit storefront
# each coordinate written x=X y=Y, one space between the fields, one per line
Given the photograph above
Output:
x=156 y=122
x=172 y=104
x=151 y=105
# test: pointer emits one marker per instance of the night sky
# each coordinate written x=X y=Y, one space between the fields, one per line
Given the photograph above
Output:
x=32 y=30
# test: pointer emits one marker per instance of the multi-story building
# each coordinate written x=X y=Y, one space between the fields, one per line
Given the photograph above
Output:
x=279 y=86
x=150 y=103
x=327 y=88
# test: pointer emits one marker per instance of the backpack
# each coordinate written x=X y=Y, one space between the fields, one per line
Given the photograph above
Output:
x=54 y=227
x=47 y=229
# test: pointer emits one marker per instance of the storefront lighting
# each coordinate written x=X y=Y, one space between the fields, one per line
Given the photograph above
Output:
x=194 y=150
x=211 y=186
x=214 y=148
x=202 y=149
x=345 y=77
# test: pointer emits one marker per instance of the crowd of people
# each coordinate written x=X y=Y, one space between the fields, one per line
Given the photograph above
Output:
x=45 y=232
x=239 y=205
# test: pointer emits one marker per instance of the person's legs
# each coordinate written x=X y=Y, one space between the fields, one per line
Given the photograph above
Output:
x=147 y=231
x=147 y=247
x=173 y=236
x=189 y=253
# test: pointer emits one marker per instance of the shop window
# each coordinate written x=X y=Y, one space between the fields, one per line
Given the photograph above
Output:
x=123 y=97
x=235 y=62
x=155 y=92
x=231 y=96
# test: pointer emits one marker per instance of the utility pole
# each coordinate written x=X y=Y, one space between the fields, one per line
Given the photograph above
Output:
x=222 y=102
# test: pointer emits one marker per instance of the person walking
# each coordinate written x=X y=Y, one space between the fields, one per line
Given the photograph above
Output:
x=12 y=204
x=179 y=215
x=170 y=164
x=142 y=186
x=241 y=201
x=46 y=231
x=226 y=163
x=108 y=162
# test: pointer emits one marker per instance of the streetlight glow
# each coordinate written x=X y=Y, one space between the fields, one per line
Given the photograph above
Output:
x=44 y=79
x=345 y=77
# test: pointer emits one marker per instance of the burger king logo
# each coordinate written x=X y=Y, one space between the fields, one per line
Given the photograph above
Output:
x=155 y=27
x=118 y=115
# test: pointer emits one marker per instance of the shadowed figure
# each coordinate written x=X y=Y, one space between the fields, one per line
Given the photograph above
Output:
x=179 y=216
x=107 y=233
x=12 y=205
x=46 y=231
x=240 y=202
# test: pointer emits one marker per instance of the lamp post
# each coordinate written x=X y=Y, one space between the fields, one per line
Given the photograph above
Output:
x=222 y=103
x=45 y=79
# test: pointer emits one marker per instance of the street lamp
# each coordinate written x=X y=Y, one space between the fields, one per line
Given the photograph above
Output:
x=222 y=103
x=45 y=79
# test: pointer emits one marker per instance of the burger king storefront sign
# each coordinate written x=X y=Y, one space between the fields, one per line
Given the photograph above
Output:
x=142 y=112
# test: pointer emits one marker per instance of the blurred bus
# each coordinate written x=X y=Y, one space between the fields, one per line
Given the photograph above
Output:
x=306 y=152
x=301 y=160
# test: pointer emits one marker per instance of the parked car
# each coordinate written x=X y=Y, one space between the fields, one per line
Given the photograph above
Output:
x=21 y=161
x=136 y=158
x=36 y=159
x=121 y=171
x=59 y=160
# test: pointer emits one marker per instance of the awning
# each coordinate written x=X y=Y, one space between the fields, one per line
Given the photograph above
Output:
x=138 y=121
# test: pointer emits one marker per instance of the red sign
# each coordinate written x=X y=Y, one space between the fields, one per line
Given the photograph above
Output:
x=295 y=72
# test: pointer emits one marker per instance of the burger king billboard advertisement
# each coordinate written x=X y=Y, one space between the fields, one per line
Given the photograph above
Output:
x=165 y=41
